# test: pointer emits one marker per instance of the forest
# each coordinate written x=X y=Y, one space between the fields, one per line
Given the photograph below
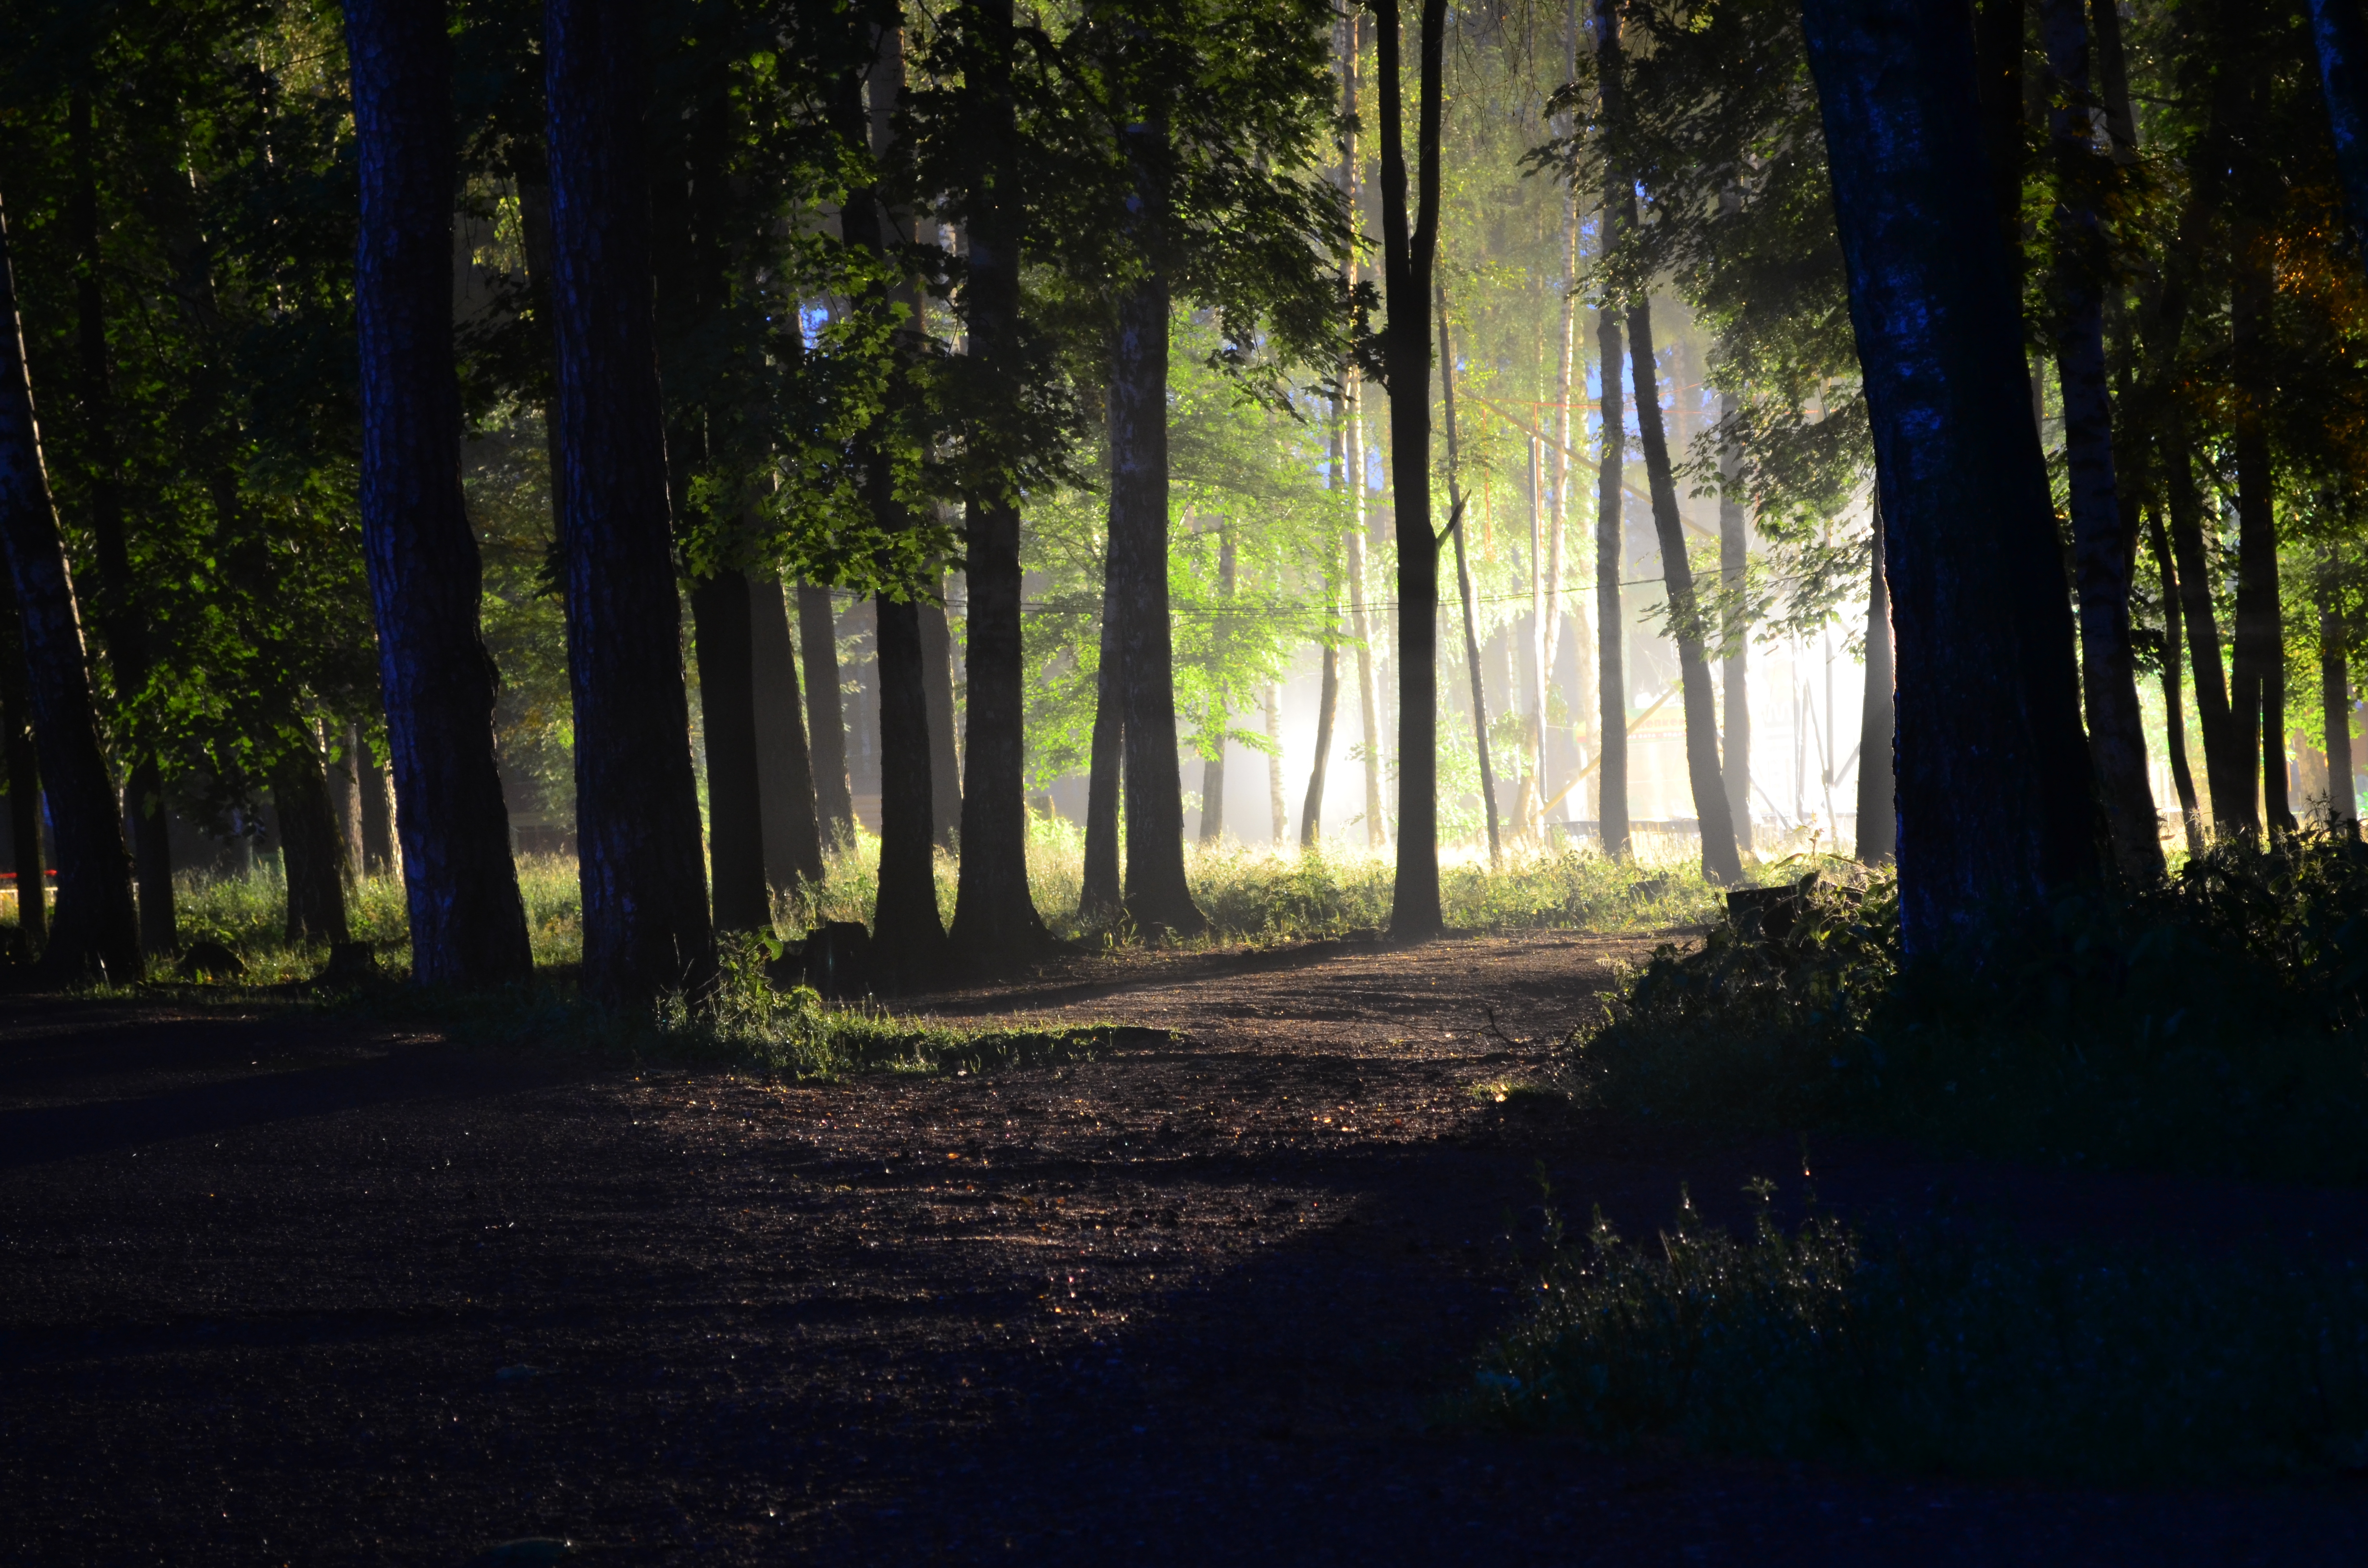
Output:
x=888 y=781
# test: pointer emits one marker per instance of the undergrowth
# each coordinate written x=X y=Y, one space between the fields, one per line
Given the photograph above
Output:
x=1934 y=1347
x=2211 y=1025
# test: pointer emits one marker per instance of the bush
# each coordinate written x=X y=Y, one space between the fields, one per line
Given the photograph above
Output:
x=1933 y=1347
x=2212 y=1024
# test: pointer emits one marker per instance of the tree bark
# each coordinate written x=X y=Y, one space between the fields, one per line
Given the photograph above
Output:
x=724 y=632
x=647 y=928
x=2101 y=546
x=1213 y=766
x=1611 y=676
x=380 y=856
x=1100 y=897
x=1279 y=810
x=309 y=847
x=1157 y=896
x=97 y=929
x=2258 y=671
x=2341 y=35
x=344 y=748
x=1352 y=436
x=2000 y=32
x=1721 y=863
x=825 y=718
x=118 y=618
x=1878 y=826
x=1327 y=706
x=1735 y=674
x=792 y=833
x=468 y=923
x=1995 y=797
x=2174 y=710
x=1408 y=252
x=938 y=691
x=2229 y=769
x=24 y=781
x=2335 y=696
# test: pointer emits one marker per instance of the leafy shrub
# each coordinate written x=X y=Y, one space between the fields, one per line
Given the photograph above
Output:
x=1933 y=1347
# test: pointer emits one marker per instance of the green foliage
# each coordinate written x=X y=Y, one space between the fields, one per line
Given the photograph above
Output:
x=1933 y=1347
x=2213 y=1025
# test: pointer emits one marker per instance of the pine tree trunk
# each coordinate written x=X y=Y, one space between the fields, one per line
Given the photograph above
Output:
x=2335 y=696
x=938 y=691
x=97 y=929
x=1157 y=896
x=1408 y=253
x=1610 y=621
x=1735 y=674
x=23 y=781
x=792 y=833
x=1995 y=796
x=2258 y=673
x=1721 y=864
x=309 y=848
x=1878 y=829
x=646 y=927
x=119 y=618
x=1100 y=898
x=825 y=717
x=2100 y=548
x=723 y=632
x=2174 y=710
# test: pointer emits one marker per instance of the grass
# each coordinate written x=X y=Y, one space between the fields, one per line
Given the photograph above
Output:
x=1932 y=1347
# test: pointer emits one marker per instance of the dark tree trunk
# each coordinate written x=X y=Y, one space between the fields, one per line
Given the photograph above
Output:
x=97 y=929
x=2335 y=696
x=2343 y=37
x=2001 y=28
x=2101 y=548
x=907 y=935
x=1612 y=675
x=1408 y=252
x=468 y=923
x=1996 y=806
x=1100 y=897
x=785 y=782
x=1464 y=590
x=937 y=690
x=727 y=706
x=2228 y=765
x=309 y=848
x=1157 y=896
x=379 y=856
x=1734 y=567
x=2174 y=709
x=24 y=781
x=118 y=616
x=825 y=717
x=1721 y=863
x=1878 y=825
x=645 y=917
x=2258 y=701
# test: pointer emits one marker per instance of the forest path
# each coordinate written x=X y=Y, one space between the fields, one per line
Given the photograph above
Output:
x=283 y=1289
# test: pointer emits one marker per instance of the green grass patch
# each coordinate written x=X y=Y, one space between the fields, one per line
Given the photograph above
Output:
x=1933 y=1347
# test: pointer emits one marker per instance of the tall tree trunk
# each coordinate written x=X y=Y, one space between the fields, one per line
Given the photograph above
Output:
x=2174 y=711
x=1100 y=897
x=468 y=923
x=1735 y=674
x=309 y=847
x=23 y=781
x=1408 y=252
x=97 y=929
x=645 y=917
x=2001 y=29
x=2335 y=695
x=1566 y=374
x=1721 y=863
x=725 y=640
x=825 y=717
x=1213 y=766
x=381 y=855
x=2343 y=37
x=1463 y=585
x=2228 y=765
x=1352 y=455
x=2101 y=546
x=1157 y=896
x=118 y=618
x=1878 y=827
x=1327 y=706
x=1610 y=621
x=1279 y=809
x=2258 y=672
x=344 y=749
x=792 y=832
x=1995 y=796
x=937 y=690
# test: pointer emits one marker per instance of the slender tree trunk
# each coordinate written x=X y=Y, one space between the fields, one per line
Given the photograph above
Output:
x=791 y=831
x=1610 y=620
x=1463 y=585
x=723 y=630
x=342 y=744
x=1878 y=828
x=97 y=928
x=2341 y=35
x=2101 y=550
x=1100 y=897
x=2174 y=710
x=1566 y=374
x=1734 y=672
x=1408 y=253
x=1327 y=706
x=1352 y=435
x=381 y=855
x=118 y=618
x=309 y=848
x=937 y=690
x=24 y=780
x=1995 y=796
x=1721 y=864
x=2228 y=765
x=825 y=717
x=2335 y=695
x=2258 y=700
x=645 y=917
x=1279 y=809
x=468 y=923
x=1213 y=766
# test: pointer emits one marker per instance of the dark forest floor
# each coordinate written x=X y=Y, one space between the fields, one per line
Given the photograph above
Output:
x=282 y=1289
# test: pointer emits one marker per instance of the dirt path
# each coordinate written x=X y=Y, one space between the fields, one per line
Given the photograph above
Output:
x=271 y=1291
